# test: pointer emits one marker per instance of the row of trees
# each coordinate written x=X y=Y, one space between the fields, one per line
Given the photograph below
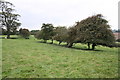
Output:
x=25 y=33
x=92 y=30
x=116 y=31
x=16 y=32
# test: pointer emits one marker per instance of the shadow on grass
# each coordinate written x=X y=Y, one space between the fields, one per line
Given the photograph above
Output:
x=86 y=49
x=13 y=37
x=9 y=38
x=70 y=47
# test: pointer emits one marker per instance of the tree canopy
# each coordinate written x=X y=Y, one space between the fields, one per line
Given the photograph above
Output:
x=46 y=32
x=94 y=30
x=60 y=34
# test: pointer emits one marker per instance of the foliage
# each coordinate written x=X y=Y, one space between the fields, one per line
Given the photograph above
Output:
x=38 y=35
x=72 y=33
x=118 y=40
x=116 y=30
x=3 y=31
x=94 y=30
x=33 y=32
x=60 y=34
x=24 y=33
x=46 y=32
x=8 y=18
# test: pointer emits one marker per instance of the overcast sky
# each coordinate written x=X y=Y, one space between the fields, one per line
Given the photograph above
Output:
x=63 y=12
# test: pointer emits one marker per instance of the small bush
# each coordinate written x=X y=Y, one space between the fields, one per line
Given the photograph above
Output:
x=24 y=33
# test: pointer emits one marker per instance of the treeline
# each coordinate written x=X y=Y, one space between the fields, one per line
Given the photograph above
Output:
x=16 y=32
x=93 y=31
x=116 y=31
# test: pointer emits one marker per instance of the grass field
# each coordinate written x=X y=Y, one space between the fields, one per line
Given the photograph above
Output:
x=28 y=58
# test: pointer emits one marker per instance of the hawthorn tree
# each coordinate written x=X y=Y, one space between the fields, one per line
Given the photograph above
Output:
x=95 y=30
x=72 y=32
x=7 y=18
x=60 y=34
x=46 y=32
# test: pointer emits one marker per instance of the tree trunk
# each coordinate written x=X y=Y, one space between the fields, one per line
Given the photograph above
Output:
x=45 y=41
x=88 y=45
x=52 y=41
x=8 y=34
x=93 y=46
x=60 y=42
x=70 y=45
x=67 y=43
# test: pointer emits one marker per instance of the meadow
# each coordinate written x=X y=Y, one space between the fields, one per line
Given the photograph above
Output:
x=29 y=58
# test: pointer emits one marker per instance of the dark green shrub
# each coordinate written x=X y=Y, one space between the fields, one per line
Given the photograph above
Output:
x=24 y=33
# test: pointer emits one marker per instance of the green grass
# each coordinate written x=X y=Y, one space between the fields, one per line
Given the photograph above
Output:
x=23 y=58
